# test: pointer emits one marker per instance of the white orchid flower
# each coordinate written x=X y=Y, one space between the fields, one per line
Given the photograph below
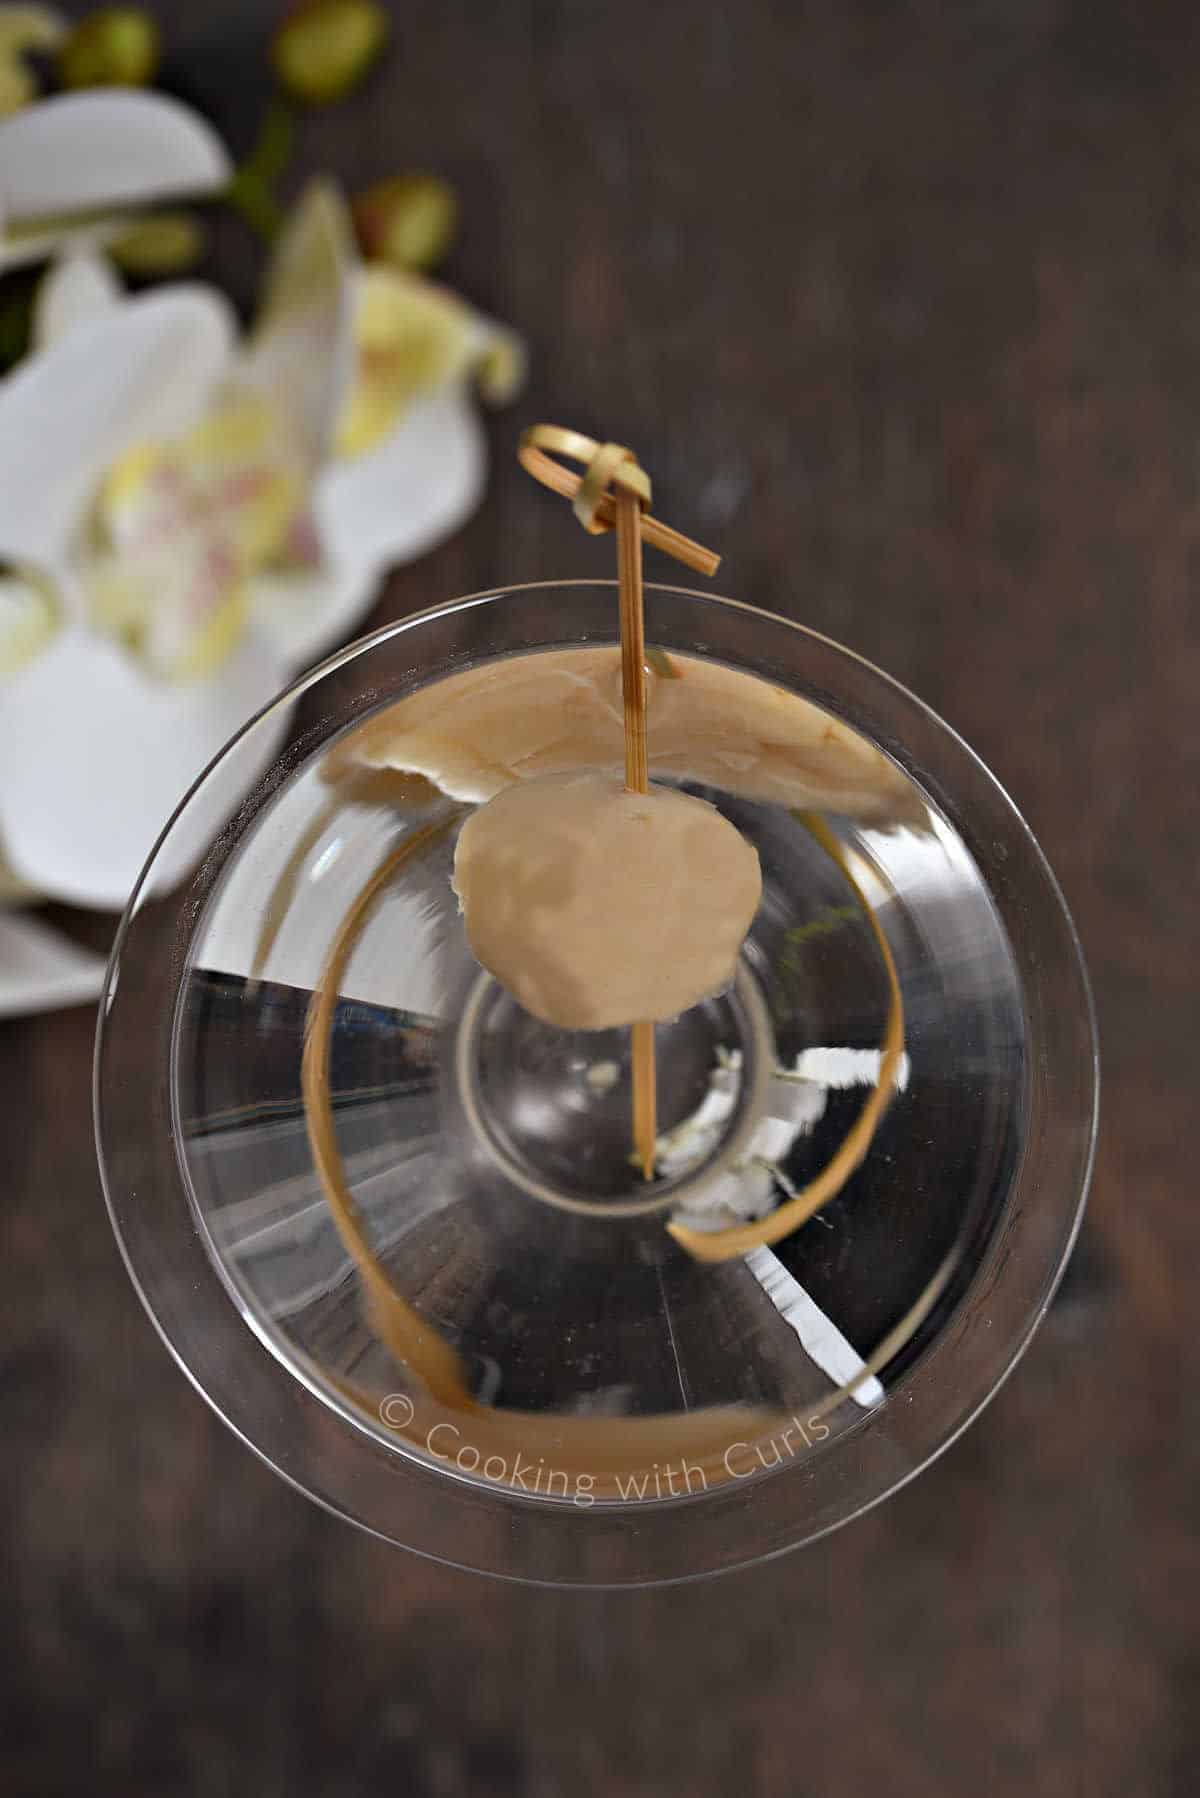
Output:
x=147 y=470
x=72 y=167
x=179 y=536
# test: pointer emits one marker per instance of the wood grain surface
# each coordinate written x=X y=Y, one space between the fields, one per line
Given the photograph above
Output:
x=900 y=306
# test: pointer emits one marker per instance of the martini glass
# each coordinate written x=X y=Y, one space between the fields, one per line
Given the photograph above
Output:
x=416 y=1269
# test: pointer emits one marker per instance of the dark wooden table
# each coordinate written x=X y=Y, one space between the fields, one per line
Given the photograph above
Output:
x=901 y=305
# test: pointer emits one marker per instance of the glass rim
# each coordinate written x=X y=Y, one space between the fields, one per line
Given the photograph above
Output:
x=667 y=1514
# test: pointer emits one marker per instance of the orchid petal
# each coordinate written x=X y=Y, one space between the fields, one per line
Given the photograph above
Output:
x=305 y=612
x=414 y=336
x=77 y=154
x=78 y=288
x=42 y=971
x=94 y=756
x=143 y=372
x=302 y=349
x=417 y=487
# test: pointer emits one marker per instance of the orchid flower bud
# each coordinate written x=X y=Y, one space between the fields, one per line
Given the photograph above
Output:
x=115 y=47
x=408 y=220
x=160 y=243
x=323 y=48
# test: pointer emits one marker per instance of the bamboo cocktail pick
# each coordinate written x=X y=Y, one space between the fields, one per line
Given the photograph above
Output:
x=614 y=492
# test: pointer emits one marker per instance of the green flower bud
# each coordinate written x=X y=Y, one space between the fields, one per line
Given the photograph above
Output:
x=24 y=29
x=325 y=47
x=408 y=220
x=161 y=243
x=115 y=47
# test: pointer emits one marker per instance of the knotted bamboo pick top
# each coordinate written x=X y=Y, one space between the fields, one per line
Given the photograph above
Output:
x=605 y=465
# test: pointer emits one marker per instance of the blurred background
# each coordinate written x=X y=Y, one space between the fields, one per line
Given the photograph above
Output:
x=898 y=305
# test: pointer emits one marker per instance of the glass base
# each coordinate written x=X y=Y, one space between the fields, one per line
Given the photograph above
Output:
x=551 y=1109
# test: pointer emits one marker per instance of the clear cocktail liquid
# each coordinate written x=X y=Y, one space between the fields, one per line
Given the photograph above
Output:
x=456 y=1114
